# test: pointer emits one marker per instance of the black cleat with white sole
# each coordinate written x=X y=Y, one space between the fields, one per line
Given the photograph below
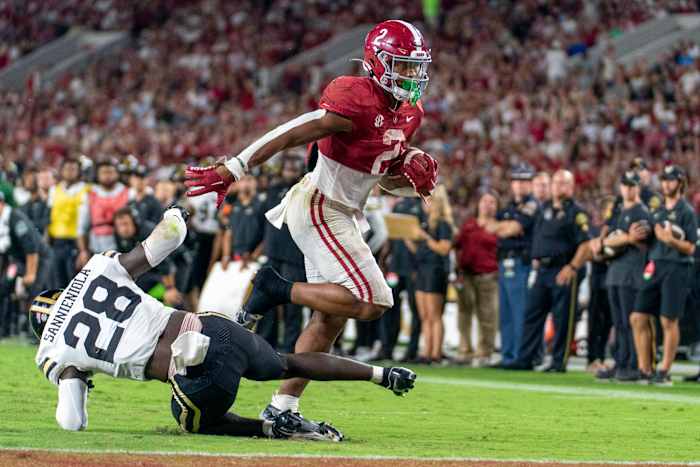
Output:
x=293 y=426
x=398 y=380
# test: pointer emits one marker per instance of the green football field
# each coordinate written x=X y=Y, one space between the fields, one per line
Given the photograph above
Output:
x=453 y=412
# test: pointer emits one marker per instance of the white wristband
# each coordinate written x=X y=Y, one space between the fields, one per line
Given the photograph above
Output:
x=237 y=167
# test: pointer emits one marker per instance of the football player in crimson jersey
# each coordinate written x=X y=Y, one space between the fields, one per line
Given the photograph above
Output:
x=362 y=127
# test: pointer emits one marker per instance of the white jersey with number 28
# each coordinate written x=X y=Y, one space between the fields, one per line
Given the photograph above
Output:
x=102 y=322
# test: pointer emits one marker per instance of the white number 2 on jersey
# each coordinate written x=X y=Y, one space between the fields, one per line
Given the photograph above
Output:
x=381 y=163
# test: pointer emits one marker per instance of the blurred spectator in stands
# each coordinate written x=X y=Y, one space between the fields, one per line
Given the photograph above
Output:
x=141 y=197
x=477 y=292
x=165 y=193
x=65 y=201
x=557 y=63
x=245 y=229
x=24 y=265
x=96 y=217
x=35 y=207
x=432 y=256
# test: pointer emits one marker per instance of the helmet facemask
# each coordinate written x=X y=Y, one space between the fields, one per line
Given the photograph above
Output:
x=404 y=77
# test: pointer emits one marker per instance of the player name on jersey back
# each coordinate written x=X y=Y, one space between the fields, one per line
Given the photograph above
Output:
x=102 y=322
x=63 y=308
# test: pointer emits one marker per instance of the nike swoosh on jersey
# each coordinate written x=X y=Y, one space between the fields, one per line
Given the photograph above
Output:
x=409 y=118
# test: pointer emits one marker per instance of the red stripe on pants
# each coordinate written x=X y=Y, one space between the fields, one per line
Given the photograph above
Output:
x=343 y=250
x=330 y=248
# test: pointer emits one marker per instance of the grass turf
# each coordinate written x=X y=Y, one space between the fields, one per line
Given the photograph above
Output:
x=438 y=419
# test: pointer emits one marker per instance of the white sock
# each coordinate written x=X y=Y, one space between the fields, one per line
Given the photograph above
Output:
x=284 y=402
x=267 y=428
x=377 y=374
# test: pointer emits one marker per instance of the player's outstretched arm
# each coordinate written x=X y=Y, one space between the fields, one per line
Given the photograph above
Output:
x=304 y=129
x=71 y=410
x=167 y=236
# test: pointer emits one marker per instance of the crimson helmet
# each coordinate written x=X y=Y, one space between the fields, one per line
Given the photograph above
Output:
x=397 y=59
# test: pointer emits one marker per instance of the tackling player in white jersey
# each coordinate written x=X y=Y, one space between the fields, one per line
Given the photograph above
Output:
x=103 y=323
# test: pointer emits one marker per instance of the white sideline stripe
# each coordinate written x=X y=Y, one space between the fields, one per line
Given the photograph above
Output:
x=569 y=390
x=323 y=456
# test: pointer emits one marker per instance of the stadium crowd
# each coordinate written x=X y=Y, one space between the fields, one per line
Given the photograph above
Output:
x=511 y=91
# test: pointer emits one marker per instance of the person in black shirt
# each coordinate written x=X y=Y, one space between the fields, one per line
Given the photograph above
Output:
x=561 y=226
x=284 y=255
x=244 y=232
x=600 y=318
x=432 y=250
x=402 y=265
x=142 y=200
x=629 y=231
x=667 y=276
x=36 y=207
x=21 y=250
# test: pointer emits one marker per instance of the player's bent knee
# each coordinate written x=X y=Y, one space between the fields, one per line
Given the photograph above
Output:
x=371 y=311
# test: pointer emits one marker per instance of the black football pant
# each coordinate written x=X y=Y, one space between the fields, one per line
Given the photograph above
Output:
x=545 y=296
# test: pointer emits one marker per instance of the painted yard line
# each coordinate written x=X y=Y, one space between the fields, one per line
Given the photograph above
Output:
x=348 y=457
x=568 y=390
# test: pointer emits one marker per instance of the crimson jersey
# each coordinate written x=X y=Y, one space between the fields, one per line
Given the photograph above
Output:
x=350 y=164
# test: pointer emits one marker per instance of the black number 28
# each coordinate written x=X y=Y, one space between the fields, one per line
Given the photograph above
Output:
x=107 y=305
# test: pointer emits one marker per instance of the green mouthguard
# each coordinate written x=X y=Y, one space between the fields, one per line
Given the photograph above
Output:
x=413 y=89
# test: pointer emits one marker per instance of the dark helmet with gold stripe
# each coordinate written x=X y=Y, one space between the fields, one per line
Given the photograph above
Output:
x=40 y=310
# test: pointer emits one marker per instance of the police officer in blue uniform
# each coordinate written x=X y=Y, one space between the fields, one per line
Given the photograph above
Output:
x=514 y=229
x=667 y=276
x=284 y=255
x=560 y=227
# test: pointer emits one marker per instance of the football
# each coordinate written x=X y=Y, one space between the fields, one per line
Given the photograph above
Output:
x=678 y=233
x=612 y=252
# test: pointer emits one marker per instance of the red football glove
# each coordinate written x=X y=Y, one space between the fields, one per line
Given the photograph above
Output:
x=421 y=170
x=208 y=180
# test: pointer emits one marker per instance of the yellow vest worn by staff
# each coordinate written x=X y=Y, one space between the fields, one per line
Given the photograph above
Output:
x=64 y=211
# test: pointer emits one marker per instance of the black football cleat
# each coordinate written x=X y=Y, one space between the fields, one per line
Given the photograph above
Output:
x=293 y=426
x=398 y=380
x=269 y=290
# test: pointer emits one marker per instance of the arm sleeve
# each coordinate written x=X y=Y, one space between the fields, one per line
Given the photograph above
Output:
x=71 y=410
x=166 y=237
